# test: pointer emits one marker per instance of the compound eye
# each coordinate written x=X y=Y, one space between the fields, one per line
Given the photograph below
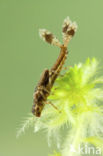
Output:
x=33 y=109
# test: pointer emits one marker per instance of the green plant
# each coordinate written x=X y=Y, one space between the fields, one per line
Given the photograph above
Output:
x=78 y=95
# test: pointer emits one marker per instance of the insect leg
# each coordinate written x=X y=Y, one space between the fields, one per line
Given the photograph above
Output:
x=48 y=102
x=43 y=88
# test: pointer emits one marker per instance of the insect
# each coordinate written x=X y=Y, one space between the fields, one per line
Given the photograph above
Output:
x=48 y=77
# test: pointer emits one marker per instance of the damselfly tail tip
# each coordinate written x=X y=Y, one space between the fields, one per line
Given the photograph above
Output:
x=69 y=28
x=68 y=24
x=49 y=37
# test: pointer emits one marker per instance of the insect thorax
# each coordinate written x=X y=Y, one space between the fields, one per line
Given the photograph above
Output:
x=39 y=98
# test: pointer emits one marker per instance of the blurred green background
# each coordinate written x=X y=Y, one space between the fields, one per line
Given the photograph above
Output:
x=23 y=56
